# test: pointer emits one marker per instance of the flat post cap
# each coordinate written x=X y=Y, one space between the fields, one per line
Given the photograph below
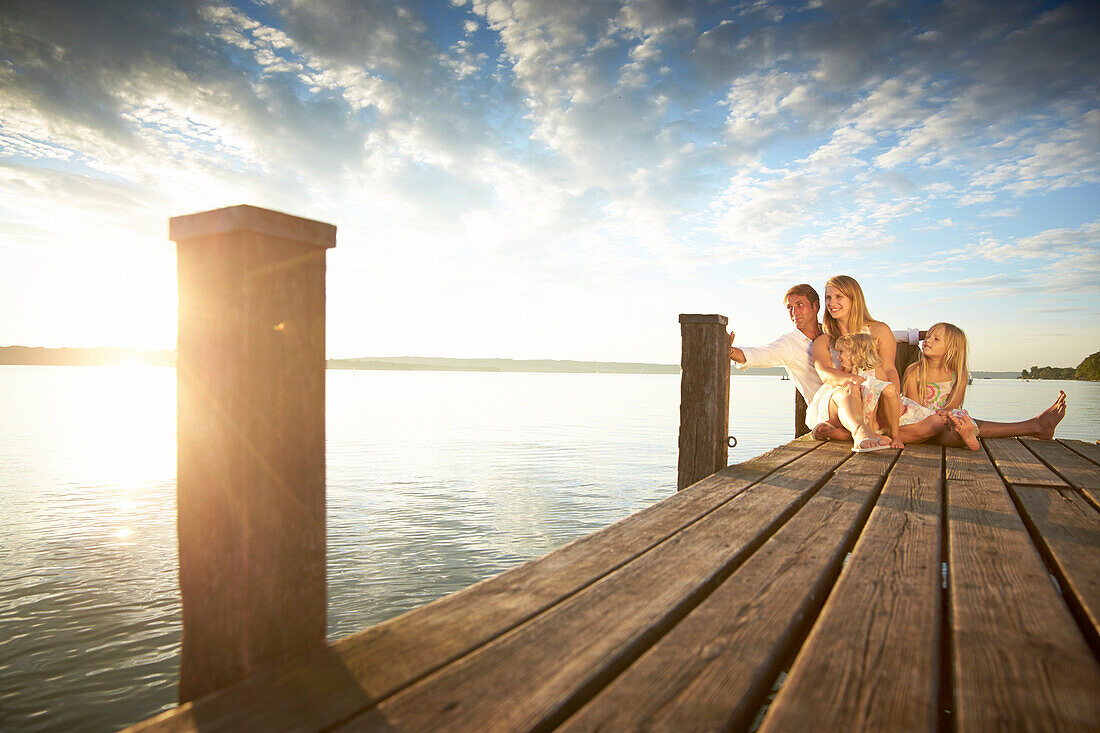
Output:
x=251 y=219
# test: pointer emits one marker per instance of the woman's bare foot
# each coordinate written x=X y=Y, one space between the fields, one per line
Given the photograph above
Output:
x=966 y=428
x=828 y=431
x=1049 y=418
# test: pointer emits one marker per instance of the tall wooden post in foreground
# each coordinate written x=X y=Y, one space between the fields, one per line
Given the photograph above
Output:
x=704 y=397
x=251 y=435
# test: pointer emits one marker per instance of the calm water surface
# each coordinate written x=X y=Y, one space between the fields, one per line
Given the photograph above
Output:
x=435 y=480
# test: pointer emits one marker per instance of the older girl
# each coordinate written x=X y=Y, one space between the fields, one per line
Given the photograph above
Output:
x=938 y=381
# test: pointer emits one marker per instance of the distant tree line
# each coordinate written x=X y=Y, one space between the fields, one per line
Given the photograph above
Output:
x=1048 y=372
x=66 y=356
x=1089 y=370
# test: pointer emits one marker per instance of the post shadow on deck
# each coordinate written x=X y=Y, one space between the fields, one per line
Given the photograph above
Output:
x=251 y=440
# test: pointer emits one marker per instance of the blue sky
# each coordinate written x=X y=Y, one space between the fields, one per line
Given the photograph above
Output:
x=561 y=179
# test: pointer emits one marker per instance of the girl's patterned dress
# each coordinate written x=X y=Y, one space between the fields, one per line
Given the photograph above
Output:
x=912 y=411
x=935 y=397
x=871 y=390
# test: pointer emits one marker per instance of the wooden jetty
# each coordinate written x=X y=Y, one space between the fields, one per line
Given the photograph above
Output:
x=809 y=588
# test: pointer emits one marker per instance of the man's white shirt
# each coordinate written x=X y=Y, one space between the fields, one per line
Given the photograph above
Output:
x=792 y=351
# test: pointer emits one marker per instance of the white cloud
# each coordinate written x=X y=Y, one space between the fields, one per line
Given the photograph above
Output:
x=581 y=141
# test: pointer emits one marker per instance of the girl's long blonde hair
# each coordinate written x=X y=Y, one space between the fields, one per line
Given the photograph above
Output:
x=858 y=318
x=954 y=360
x=863 y=349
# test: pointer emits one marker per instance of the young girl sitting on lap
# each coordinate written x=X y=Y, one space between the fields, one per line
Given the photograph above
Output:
x=858 y=354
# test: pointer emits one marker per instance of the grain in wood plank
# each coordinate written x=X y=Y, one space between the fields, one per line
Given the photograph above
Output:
x=869 y=464
x=1018 y=465
x=872 y=659
x=712 y=671
x=391 y=655
x=1069 y=531
x=1019 y=661
x=542 y=671
x=1090 y=451
x=1079 y=472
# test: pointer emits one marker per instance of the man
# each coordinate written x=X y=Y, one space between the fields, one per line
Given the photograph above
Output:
x=794 y=352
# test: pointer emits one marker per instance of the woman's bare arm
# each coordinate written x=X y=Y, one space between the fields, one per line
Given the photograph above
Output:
x=911 y=386
x=823 y=363
x=887 y=349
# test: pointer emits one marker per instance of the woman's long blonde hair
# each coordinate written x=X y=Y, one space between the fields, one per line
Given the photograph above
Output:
x=858 y=318
x=954 y=360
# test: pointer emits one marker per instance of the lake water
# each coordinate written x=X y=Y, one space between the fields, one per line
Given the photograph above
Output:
x=435 y=481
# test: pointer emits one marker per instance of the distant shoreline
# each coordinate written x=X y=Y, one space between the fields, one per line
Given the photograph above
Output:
x=110 y=356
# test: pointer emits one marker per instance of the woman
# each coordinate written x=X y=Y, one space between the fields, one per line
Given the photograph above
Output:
x=838 y=402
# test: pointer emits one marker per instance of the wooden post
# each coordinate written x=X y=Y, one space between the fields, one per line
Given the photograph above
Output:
x=800 y=408
x=704 y=397
x=251 y=435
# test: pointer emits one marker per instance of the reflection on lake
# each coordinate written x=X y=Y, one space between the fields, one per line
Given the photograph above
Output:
x=435 y=480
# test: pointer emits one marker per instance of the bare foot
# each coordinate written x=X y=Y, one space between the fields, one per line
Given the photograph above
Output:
x=869 y=445
x=828 y=431
x=1048 y=420
x=866 y=441
x=967 y=430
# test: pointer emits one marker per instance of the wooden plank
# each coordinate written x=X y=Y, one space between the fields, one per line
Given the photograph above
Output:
x=1068 y=528
x=876 y=464
x=713 y=670
x=389 y=656
x=872 y=660
x=1079 y=472
x=1018 y=659
x=1091 y=453
x=1018 y=465
x=540 y=673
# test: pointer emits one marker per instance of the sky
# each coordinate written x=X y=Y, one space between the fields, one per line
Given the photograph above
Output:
x=562 y=178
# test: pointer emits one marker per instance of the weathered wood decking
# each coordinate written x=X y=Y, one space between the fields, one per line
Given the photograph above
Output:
x=918 y=590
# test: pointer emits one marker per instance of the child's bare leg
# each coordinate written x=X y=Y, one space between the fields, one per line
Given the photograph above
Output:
x=930 y=427
x=892 y=407
x=849 y=410
x=1042 y=425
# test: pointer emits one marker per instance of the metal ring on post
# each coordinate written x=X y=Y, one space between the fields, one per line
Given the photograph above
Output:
x=732 y=442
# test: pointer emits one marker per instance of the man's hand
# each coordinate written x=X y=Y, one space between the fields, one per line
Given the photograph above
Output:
x=735 y=353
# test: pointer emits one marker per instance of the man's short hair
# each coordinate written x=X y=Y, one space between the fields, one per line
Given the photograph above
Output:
x=806 y=291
